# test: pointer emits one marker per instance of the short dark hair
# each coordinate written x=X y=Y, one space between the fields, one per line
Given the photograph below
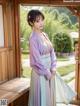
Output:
x=32 y=16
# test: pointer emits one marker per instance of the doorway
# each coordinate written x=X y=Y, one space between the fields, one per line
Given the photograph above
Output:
x=67 y=25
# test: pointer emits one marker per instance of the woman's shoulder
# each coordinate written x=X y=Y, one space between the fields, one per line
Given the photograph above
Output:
x=32 y=37
x=45 y=33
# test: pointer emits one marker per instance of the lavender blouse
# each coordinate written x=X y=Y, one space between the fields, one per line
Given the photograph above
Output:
x=39 y=47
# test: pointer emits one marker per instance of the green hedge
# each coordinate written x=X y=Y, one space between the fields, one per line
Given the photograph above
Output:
x=62 y=43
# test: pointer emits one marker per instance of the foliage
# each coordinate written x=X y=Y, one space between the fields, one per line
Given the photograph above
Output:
x=57 y=20
x=61 y=10
x=53 y=26
x=64 y=19
x=68 y=69
x=62 y=43
x=55 y=14
x=24 y=29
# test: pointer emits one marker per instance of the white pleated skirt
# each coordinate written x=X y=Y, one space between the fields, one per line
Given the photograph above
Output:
x=45 y=92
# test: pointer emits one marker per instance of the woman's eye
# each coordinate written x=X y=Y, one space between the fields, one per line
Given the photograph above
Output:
x=37 y=21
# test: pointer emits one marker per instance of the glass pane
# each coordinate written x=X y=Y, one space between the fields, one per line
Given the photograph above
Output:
x=1 y=28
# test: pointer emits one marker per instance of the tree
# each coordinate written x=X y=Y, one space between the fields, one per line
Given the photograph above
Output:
x=24 y=29
x=62 y=43
x=52 y=26
x=64 y=19
x=55 y=14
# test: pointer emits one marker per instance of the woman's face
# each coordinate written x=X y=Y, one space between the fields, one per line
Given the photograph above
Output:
x=39 y=23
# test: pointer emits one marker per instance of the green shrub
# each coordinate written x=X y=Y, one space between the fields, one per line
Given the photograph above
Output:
x=62 y=43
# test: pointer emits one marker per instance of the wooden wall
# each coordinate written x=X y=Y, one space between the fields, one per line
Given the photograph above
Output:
x=7 y=53
x=7 y=69
x=3 y=65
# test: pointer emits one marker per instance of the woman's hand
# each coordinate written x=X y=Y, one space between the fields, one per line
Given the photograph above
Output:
x=53 y=73
x=48 y=76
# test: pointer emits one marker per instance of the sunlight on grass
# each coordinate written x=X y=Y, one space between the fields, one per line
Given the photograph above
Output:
x=62 y=70
x=66 y=69
x=25 y=56
x=62 y=58
x=26 y=72
x=67 y=81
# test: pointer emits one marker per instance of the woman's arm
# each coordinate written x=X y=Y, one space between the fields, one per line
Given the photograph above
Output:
x=35 y=60
x=53 y=61
x=53 y=57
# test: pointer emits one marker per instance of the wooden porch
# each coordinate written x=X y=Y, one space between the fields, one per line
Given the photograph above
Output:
x=12 y=86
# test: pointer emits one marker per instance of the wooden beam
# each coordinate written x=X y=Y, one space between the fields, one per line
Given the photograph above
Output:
x=48 y=2
x=75 y=10
x=78 y=82
x=2 y=1
x=34 y=1
x=61 y=3
x=17 y=39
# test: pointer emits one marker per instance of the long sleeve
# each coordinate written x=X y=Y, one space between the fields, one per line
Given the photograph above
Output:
x=53 y=56
x=53 y=60
x=35 y=60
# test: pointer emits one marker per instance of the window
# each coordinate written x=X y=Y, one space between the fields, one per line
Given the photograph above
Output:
x=1 y=28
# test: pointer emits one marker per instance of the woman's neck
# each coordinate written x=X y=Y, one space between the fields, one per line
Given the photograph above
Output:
x=37 y=31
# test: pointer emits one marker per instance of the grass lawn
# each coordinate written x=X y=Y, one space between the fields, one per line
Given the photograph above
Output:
x=62 y=58
x=67 y=81
x=66 y=69
x=26 y=56
x=26 y=72
x=62 y=70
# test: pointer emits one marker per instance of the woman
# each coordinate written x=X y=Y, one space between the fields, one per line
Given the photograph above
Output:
x=43 y=63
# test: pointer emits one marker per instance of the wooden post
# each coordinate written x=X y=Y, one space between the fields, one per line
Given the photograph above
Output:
x=17 y=38
x=78 y=82
x=78 y=64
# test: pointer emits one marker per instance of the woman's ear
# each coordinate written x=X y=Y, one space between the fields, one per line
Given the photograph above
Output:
x=31 y=23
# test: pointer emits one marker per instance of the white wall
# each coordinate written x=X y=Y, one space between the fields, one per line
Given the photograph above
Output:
x=1 y=28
